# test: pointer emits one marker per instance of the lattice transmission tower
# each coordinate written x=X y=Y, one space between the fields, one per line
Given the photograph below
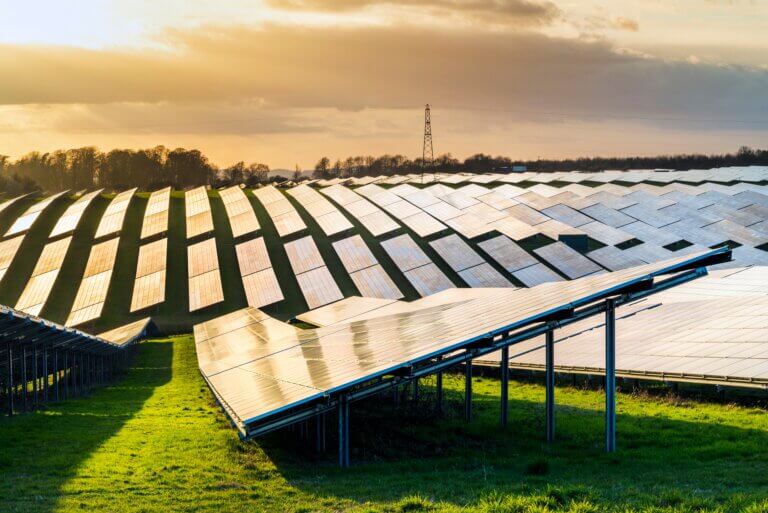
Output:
x=427 y=154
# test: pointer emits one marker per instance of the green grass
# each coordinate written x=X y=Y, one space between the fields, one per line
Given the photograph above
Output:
x=155 y=441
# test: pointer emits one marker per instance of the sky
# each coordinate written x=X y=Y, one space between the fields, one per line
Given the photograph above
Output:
x=285 y=82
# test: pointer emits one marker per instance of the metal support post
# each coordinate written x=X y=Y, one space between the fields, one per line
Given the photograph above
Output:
x=66 y=374
x=24 y=377
x=550 y=384
x=9 y=380
x=468 y=391
x=56 y=374
x=343 y=431
x=416 y=391
x=45 y=374
x=36 y=380
x=610 y=375
x=439 y=387
x=504 y=385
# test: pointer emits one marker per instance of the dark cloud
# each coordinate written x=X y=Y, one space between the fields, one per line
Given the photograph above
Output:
x=515 y=12
x=529 y=76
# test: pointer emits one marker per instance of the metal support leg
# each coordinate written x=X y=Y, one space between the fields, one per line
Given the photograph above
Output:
x=439 y=387
x=396 y=396
x=468 y=391
x=9 y=380
x=550 y=384
x=24 y=377
x=35 y=379
x=610 y=375
x=504 y=385
x=45 y=375
x=416 y=391
x=343 y=432
x=66 y=374
x=56 y=374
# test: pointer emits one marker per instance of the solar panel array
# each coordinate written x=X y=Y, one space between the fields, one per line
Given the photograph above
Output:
x=241 y=216
x=369 y=276
x=149 y=282
x=315 y=280
x=40 y=284
x=286 y=219
x=28 y=218
x=257 y=366
x=327 y=216
x=10 y=202
x=465 y=261
x=375 y=220
x=94 y=286
x=8 y=249
x=156 y=213
x=205 y=287
x=416 y=266
x=708 y=331
x=259 y=279
x=198 y=212
x=71 y=217
x=114 y=217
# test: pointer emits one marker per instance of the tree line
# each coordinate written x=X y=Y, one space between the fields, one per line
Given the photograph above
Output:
x=147 y=169
x=482 y=163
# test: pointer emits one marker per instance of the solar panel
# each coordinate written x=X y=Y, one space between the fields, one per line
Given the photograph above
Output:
x=605 y=233
x=508 y=254
x=198 y=212
x=527 y=214
x=443 y=211
x=289 y=223
x=303 y=255
x=567 y=215
x=486 y=212
x=484 y=275
x=401 y=209
x=71 y=217
x=361 y=207
x=252 y=256
x=44 y=275
x=374 y=282
x=318 y=287
x=241 y=216
x=343 y=310
x=514 y=228
x=8 y=249
x=9 y=202
x=149 y=283
x=262 y=288
x=94 y=286
x=354 y=253
x=614 y=259
x=649 y=215
x=114 y=216
x=470 y=226
x=456 y=253
x=205 y=290
x=334 y=223
x=423 y=224
x=28 y=218
x=649 y=252
x=607 y=215
x=379 y=224
x=156 y=213
x=428 y=279
x=284 y=368
x=648 y=233
x=405 y=253
x=737 y=233
x=536 y=275
x=570 y=262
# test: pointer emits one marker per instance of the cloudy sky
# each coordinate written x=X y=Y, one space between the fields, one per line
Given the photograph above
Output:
x=287 y=81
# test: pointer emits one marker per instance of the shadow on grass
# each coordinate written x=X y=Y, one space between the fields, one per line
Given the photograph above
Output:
x=410 y=452
x=41 y=451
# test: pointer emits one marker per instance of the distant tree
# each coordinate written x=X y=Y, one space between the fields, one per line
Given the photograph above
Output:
x=296 y=176
x=321 y=168
x=256 y=174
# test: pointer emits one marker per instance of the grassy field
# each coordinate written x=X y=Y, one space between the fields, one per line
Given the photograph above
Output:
x=155 y=441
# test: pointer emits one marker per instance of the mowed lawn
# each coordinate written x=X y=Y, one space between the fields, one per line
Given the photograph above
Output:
x=155 y=441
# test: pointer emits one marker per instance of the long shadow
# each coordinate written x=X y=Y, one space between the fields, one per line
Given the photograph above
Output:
x=41 y=451
x=410 y=451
